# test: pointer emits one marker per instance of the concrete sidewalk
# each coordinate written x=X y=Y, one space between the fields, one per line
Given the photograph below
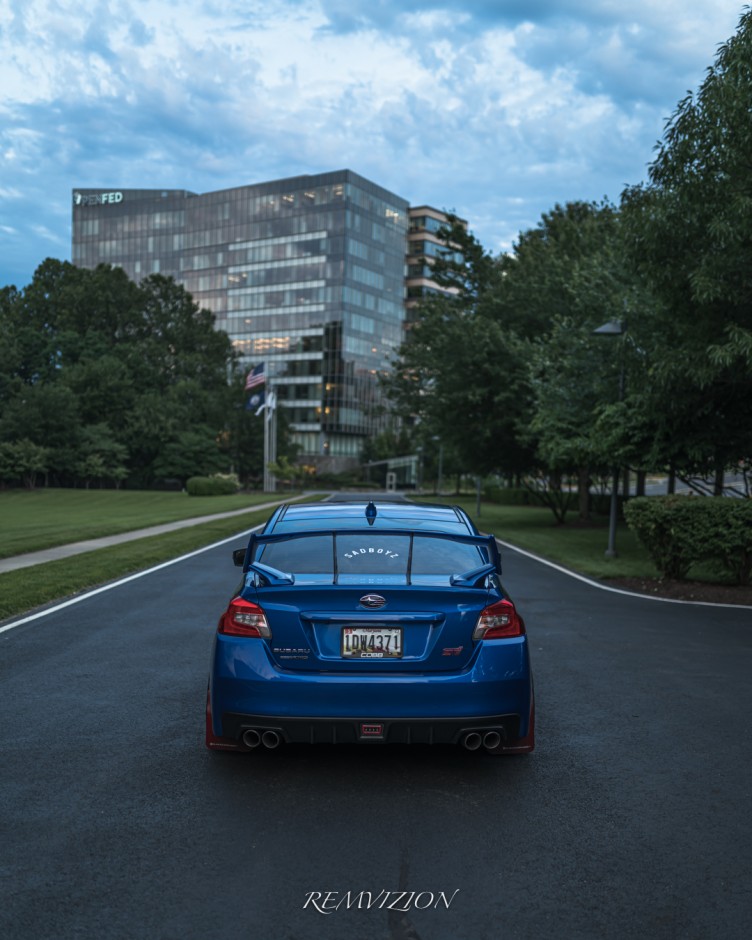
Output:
x=89 y=545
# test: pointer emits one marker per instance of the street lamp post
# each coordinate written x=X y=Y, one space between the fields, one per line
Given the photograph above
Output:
x=614 y=328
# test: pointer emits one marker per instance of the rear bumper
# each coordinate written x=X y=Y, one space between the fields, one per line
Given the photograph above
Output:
x=247 y=690
x=370 y=728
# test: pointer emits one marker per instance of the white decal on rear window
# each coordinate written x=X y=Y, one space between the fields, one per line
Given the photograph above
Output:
x=357 y=552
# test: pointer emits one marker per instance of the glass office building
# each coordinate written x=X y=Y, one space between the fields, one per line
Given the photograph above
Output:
x=305 y=274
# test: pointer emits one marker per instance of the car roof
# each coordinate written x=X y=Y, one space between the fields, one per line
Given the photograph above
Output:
x=296 y=517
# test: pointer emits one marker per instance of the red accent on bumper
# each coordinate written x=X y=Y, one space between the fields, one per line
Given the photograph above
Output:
x=213 y=741
x=523 y=745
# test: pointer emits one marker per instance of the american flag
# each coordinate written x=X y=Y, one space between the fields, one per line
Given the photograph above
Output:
x=255 y=377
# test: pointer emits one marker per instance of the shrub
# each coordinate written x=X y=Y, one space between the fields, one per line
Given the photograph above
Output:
x=212 y=486
x=678 y=531
x=728 y=535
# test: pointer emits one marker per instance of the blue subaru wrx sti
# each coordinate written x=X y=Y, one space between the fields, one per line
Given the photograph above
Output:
x=380 y=622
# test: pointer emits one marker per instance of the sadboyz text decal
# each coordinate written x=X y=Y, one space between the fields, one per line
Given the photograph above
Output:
x=357 y=552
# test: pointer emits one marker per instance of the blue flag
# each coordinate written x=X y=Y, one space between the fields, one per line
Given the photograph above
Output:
x=256 y=401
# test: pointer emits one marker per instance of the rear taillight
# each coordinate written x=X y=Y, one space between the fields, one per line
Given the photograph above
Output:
x=242 y=618
x=498 y=621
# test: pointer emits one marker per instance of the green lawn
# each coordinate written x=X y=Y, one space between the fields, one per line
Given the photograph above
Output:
x=35 y=519
x=574 y=546
x=106 y=512
x=32 y=587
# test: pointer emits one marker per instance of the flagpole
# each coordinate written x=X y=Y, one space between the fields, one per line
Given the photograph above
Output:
x=255 y=378
x=270 y=440
x=267 y=482
x=273 y=440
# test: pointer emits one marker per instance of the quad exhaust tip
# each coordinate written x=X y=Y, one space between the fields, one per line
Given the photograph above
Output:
x=251 y=738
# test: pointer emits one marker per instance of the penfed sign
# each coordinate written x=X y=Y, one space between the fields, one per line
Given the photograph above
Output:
x=97 y=199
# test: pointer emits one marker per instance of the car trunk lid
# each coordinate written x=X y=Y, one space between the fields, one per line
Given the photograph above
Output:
x=332 y=628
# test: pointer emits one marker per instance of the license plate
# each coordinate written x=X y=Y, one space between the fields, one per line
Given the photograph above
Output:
x=372 y=642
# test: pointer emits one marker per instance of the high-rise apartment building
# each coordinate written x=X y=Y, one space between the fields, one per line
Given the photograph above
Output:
x=424 y=246
x=307 y=275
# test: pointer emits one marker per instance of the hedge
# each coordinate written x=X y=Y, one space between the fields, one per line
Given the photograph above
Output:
x=211 y=486
x=679 y=531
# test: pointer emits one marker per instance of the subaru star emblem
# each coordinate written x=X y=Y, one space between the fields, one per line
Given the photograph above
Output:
x=372 y=600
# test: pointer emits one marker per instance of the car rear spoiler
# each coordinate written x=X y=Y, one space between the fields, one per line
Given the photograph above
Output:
x=487 y=542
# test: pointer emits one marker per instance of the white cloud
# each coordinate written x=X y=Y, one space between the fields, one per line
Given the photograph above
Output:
x=43 y=232
x=495 y=110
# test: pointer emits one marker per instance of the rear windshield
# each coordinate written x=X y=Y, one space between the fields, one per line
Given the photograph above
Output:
x=374 y=554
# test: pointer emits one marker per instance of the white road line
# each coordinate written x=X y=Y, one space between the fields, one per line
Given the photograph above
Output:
x=130 y=577
x=613 y=590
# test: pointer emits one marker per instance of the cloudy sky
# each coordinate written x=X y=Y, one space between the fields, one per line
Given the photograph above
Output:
x=497 y=109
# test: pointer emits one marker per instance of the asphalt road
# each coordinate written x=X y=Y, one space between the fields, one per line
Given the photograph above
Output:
x=631 y=819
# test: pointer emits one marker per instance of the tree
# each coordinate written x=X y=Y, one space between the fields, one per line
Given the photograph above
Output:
x=191 y=452
x=465 y=380
x=23 y=460
x=393 y=442
x=110 y=376
x=570 y=382
x=104 y=388
x=460 y=374
x=46 y=415
x=463 y=268
x=552 y=264
x=177 y=341
x=100 y=455
x=691 y=235
x=563 y=280
x=287 y=471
